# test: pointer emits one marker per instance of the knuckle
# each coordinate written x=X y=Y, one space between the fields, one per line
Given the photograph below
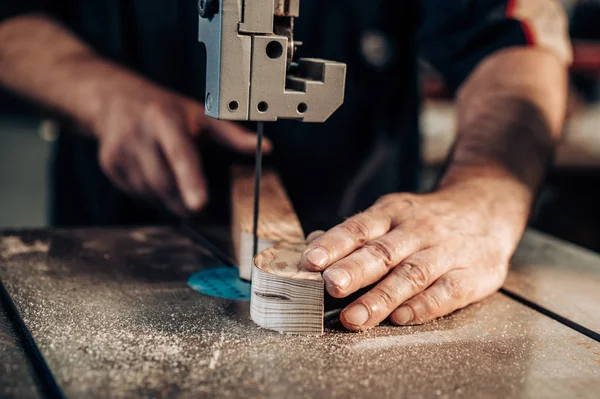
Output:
x=455 y=288
x=157 y=109
x=403 y=198
x=135 y=135
x=162 y=186
x=431 y=303
x=418 y=275
x=383 y=297
x=355 y=266
x=128 y=125
x=396 y=206
x=409 y=200
x=386 y=199
x=383 y=250
x=357 y=229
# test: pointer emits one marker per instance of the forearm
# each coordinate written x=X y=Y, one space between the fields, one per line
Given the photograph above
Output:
x=43 y=61
x=510 y=117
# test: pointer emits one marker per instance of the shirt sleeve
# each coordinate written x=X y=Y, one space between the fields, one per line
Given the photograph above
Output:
x=13 y=8
x=454 y=36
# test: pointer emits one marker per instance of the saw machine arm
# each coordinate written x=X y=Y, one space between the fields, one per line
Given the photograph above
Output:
x=251 y=72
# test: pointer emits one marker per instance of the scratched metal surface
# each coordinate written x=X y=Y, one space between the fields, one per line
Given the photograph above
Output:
x=114 y=317
x=558 y=276
x=16 y=375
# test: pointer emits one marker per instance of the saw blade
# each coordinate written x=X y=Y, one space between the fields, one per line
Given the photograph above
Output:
x=257 y=176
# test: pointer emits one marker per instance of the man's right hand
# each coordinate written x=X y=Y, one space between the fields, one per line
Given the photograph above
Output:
x=146 y=133
x=147 y=148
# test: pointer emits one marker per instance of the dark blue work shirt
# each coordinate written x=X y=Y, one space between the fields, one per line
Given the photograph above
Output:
x=368 y=148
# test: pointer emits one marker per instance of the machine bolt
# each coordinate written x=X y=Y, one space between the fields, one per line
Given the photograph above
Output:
x=209 y=102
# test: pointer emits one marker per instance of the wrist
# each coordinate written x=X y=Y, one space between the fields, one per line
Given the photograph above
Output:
x=89 y=81
x=492 y=192
x=98 y=86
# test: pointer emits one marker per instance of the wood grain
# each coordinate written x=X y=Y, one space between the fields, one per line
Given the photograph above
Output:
x=277 y=219
x=285 y=296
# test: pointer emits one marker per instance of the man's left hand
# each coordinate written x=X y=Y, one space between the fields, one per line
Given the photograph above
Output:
x=429 y=255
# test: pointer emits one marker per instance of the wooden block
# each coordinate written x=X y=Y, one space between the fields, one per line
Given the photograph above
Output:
x=285 y=296
x=277 y=219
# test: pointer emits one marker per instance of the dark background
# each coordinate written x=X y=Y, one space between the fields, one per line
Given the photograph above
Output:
x=567 y=206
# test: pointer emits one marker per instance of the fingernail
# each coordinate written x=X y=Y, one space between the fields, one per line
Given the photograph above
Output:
x=357 y=315
x=267 y=146
x=337 y=277
x=317 y=257
x=403 y=315
x=195 y=200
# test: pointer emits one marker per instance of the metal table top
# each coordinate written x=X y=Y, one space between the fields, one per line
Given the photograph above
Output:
x=561 y=277
x=114 y=317
x=17 y=378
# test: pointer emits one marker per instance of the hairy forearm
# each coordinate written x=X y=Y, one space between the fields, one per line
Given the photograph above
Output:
x=43 y=61
x=510 y=117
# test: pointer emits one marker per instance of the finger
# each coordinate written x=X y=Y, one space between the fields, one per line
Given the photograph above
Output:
x=368 y=264
x=235 y=137
x=314 y=235
x=451 y=292
x=135 y=179
x=130 y=178
x=343 y=239
x=114 y=162
x=404 y=281
x=184 y=161
x=161 y=181
x=120 y=178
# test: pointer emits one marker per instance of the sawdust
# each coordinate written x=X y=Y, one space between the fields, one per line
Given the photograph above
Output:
x=14 y=245
x=216 y=354
x=458 y=336
x=123 y=337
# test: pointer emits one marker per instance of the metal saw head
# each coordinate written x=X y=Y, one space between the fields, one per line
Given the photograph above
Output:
x=251 y=73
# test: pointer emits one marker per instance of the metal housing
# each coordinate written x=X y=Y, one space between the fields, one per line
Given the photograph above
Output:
x=250 y=74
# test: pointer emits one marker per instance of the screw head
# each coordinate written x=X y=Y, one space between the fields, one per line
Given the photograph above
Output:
x=209 y=102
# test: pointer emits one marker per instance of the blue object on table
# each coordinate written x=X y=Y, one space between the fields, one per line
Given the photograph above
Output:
x=221 y=282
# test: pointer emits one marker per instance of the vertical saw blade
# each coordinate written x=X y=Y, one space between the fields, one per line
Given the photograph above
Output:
x=257 y=176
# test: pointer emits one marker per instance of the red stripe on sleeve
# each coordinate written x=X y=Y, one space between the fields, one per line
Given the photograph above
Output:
x=511 y=6
x=529 y=36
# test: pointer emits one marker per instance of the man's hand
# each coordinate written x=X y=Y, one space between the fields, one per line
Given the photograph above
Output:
x=432 y=254
x=147 y=148
x=146 y=133
x=429 y=255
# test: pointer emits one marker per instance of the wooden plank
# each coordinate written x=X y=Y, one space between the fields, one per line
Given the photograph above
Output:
x=285 y=296
x=558 y=276
x=277 y=219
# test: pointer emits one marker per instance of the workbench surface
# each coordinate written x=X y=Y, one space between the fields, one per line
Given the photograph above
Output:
x=16 y=374
x=113 y=315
